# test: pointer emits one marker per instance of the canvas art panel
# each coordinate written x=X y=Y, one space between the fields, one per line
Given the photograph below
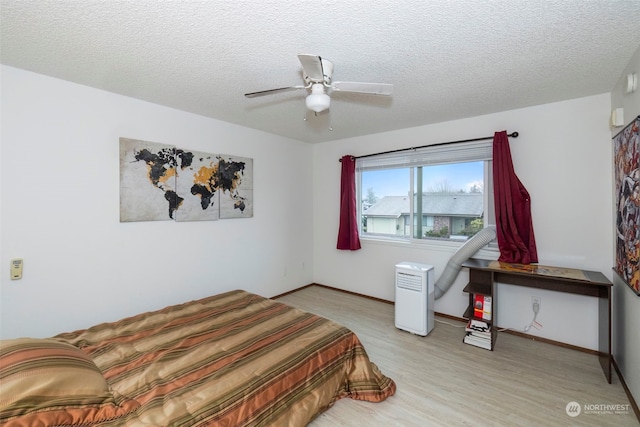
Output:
x=627 y=192
x=236 y=186
x=196 y=183
x=147 y=181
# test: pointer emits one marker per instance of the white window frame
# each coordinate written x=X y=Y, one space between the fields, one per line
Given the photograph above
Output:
x=427 y=156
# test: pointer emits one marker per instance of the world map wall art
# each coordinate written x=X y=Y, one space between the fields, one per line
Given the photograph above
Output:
x=160 y=182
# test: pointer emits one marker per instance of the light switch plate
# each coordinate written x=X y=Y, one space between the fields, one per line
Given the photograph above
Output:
x=16 y=269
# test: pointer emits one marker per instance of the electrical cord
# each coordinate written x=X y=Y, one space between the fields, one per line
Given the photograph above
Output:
x=450 y=324
x=536 y=310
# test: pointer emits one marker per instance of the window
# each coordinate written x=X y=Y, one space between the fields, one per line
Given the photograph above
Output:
x=435 y=193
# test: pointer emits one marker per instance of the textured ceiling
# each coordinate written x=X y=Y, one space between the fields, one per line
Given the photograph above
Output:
x=446 y=59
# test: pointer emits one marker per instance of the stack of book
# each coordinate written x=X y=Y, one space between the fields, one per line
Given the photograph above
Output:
x=478 y=333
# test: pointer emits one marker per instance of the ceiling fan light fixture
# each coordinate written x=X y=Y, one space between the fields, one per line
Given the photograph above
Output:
x=317 y=75
x=318 y=100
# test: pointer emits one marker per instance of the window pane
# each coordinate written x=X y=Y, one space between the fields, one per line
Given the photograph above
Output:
x=451 y=205
x=385 y=202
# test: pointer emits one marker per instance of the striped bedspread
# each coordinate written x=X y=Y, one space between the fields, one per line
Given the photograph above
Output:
x=234 y=359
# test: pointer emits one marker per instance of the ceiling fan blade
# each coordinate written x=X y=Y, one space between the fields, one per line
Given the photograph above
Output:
x=312 y=65
x=370 y=88
x=272 y=91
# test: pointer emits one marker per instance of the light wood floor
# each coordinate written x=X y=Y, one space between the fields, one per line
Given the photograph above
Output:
x=443 y=382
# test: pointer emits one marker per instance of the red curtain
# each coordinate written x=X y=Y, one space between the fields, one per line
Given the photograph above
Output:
x=513 y=207
x=348 y=232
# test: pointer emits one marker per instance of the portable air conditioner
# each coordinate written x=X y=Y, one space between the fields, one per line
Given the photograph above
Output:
x=414 y=297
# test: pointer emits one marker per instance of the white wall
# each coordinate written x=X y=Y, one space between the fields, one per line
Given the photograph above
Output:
x=60 y=211
x=626 y=304
x=563 y=157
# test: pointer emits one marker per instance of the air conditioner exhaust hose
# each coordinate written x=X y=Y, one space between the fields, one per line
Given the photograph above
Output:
x=464 y=252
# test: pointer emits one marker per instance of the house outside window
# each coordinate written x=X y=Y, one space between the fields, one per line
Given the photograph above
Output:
x=437 y=195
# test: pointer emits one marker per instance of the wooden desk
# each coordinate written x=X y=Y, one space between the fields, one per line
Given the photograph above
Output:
x=581 y=282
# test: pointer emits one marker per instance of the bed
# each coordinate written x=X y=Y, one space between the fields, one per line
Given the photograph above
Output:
x=234 y=359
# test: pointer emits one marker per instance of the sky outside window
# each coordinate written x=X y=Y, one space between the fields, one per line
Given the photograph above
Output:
x=395 y=182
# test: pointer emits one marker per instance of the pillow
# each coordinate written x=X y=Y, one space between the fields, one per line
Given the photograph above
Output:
x=51 y=382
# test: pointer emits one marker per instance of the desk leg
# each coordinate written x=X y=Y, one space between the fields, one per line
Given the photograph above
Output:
x=604 y=332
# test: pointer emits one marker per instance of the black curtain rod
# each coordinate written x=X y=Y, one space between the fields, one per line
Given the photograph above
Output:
x=512 y=135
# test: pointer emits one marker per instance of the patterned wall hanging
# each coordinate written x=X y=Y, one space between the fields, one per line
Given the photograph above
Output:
x=626 y=146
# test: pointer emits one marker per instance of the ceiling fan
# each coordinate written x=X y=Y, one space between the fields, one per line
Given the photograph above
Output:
x=317 y=73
